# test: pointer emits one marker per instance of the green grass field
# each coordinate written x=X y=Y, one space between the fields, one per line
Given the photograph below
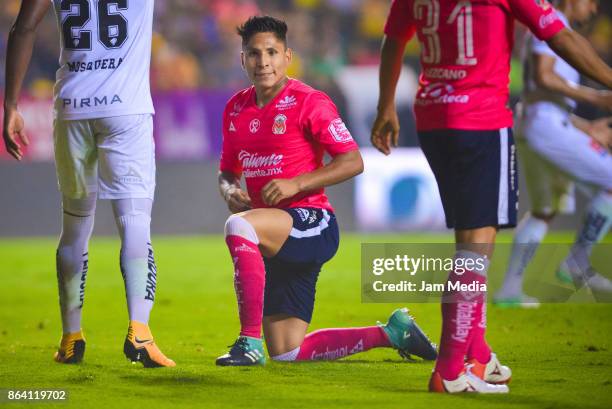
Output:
x=561 y=354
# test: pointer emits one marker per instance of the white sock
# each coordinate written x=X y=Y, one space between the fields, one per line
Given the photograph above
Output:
x=595 y=226
x=287 y=356
x=529 y=234
x=133 y=218
x=72 y=259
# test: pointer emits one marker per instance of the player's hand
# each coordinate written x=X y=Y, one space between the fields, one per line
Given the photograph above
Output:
x=385 y=131
x=601 y=131
x=237 y=200
x=279 y=189
x=603 y=100
x=13 y=133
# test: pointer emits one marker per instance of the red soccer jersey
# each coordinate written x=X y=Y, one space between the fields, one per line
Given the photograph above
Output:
x=286 y=138
x=465 y=59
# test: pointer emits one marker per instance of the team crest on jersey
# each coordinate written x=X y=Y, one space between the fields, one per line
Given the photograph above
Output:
x=280 y=124
x=287 y=102
x=254 y=125
x=339 y=131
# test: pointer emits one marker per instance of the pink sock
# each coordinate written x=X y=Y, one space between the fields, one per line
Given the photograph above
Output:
x=478 y=348
x=249 y=283
x=334 y=343
x=459 y=310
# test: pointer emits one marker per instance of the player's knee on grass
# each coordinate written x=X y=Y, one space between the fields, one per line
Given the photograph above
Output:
x=284 y=334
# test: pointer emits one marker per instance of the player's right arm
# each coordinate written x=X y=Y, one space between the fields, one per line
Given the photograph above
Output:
x=19 y=52
x=230 y=171
x=547 y=78
x=599 y=129
x=237 y=199
x=398 y=31
x=579 y=53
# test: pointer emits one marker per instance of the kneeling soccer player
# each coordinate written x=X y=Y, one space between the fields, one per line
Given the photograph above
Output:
x=275 y=134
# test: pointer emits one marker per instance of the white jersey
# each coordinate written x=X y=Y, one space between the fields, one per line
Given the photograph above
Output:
x=105 y=58
x=532 y=91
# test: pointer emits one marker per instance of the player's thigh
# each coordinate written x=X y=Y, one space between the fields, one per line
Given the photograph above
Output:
x=572 y=152
x=75 y=158
x=126 y=151
x=283 y=333
x=543 y=182
x=272 y=227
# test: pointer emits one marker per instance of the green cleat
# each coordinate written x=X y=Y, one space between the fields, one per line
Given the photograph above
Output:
x=406 y=336
x=246 y=351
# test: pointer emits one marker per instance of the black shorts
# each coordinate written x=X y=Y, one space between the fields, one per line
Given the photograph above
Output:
x=291 y=275
x=477 y=176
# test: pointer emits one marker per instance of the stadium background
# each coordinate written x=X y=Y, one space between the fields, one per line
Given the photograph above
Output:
x=195 y=68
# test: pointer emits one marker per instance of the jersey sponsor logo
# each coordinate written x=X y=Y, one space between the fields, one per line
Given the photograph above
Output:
x=103 y=64
x=232 y=128
x=445 y=73
x=237 y=108
x=287 y=102
x=91 y=102
x=548 y=19
x=339 y=131
x=254 y=125
x=440 y=93
x=255 y=165
x=279 y=127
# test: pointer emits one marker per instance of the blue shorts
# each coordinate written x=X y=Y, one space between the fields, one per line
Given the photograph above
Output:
x=477 y=176
x=291 y=275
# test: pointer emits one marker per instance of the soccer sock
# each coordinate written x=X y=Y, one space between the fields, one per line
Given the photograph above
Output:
x=459 y=312
x=72 y=259
x=478 y=348
x=133 y=218
x=595 y=226
x=334 y=343
x=249 y=274
x=527 y=238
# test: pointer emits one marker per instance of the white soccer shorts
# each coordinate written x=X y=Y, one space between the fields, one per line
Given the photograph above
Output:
x=114 y=157
x=553 y=153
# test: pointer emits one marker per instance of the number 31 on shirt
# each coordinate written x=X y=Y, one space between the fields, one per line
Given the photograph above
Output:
x=461 y=16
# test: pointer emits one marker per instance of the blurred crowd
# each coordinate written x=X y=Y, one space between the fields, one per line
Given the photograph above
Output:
x=195 y=43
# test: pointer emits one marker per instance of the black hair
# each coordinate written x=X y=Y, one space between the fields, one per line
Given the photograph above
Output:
x=262 y=24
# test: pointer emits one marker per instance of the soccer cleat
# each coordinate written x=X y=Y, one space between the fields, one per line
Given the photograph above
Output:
x=519 y=301
x=72 y=348
x=492 y=372
x=590 y=279
x=140 y=347
x=246 y=351
x=466 y=382
x=406 y=336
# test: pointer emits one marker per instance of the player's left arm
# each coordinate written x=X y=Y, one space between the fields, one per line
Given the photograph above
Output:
x=342 y=167
x=599 y=129
x=18 y=55
x=398 y=31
